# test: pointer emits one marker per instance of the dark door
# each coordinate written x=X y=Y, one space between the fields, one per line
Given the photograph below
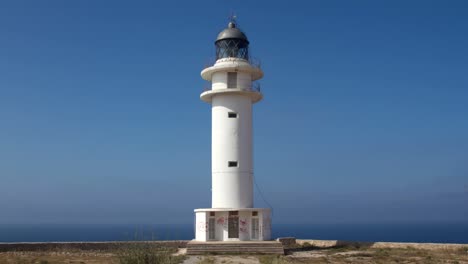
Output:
x=211 y=229
x=233 y=224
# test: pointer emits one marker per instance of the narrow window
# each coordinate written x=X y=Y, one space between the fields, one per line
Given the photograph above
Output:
x=232 y=164
x=254 y=213
x=232 y=115
x=212 y=213
x=232 y=80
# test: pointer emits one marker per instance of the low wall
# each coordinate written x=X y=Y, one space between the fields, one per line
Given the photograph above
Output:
x=113 y=245
x=97 y=246
x=340 y=243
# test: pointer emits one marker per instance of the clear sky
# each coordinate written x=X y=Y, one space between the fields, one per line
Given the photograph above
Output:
x=364 y=117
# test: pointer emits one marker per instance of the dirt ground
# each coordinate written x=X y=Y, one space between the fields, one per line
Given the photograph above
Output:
x=57 y=257
x=380 y=255
x=302 y=255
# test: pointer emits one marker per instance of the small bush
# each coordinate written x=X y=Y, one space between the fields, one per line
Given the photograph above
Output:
x=306 y=245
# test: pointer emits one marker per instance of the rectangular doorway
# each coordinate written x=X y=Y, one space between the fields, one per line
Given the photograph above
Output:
x=232 y=80
x=211 y=229
x=233 y=224
x=255 y=229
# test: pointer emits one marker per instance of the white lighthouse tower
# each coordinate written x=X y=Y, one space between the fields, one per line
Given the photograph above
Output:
x=232 y=215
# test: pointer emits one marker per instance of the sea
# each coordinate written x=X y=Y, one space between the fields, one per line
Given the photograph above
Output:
x=414 y=232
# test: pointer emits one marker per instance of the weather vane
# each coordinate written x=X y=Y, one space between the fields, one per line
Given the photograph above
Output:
x=232 y=18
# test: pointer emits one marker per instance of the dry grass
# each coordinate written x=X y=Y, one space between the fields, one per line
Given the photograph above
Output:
x=140 y=253
x=147 y=253
x=57 y=257
x=207 y=260
x=381 y=255
x=334 y=255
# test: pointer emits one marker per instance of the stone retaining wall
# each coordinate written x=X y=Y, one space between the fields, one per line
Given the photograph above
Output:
x=112 y=245
x=89 y=246
x=287 y=241
x=340 y=243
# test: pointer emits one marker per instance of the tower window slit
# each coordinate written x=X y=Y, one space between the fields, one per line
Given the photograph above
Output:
x=232 y=115
x=232 y=163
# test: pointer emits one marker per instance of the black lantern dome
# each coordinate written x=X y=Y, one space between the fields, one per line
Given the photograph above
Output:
x=232 y=43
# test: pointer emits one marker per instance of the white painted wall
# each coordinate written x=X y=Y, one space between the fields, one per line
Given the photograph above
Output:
x=265 y=225
x=244 y=80
x=201 y=226
x=232 y=187
x=221 y=225
x=219 y=81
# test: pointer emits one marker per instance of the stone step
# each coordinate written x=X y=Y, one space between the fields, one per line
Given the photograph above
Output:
x=234 y=245
x=266 y=247
x=236 y=249
x=273 y=243
x=256 y=251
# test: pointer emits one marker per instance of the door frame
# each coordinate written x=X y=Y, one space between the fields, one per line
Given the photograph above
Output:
x=233 y=222
x=252 y=228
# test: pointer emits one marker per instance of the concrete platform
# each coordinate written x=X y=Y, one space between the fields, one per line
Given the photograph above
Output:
x=235 y=247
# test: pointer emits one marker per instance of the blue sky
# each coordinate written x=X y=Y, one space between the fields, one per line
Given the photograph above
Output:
x=364 y=117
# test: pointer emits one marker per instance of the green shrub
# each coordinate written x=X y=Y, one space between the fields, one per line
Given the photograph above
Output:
x=306 y=245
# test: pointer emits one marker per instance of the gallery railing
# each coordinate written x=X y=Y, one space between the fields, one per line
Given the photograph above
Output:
x=256 y=87
x=255 y=62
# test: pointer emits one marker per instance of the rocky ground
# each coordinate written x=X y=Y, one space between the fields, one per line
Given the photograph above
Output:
x=57 y=257
x=297 y=255
x=344 y=255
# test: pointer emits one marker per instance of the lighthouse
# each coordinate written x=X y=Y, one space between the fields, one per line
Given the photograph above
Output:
x=233 y=92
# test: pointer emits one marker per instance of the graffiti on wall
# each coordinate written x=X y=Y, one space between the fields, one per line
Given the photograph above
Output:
x=221 y=221
x=202 y=226
x=243 y=221
x=243 y=225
